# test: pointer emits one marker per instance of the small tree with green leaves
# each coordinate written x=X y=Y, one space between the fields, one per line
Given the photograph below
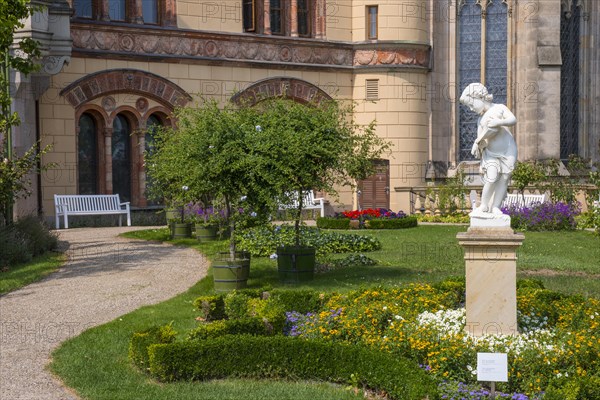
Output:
x=527 y=173
x=14 y=170
x=213 y=152
x=313 y=147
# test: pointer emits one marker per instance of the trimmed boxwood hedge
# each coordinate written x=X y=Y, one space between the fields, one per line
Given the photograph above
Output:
x=249 y=326
x=393 y=223
x=375 y=223
x=281 y=357
x=140 y=341
x=333 y=223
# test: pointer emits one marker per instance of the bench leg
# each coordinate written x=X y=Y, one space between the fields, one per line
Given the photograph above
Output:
x=128 y=219
x=66 y=221
x=57 y=224
x=120 y=222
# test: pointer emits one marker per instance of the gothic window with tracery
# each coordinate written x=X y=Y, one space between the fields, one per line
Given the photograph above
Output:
x=570 y=24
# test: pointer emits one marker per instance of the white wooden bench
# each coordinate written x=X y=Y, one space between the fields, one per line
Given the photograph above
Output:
x=309 y=202
x=96 y=204
x=516 y=199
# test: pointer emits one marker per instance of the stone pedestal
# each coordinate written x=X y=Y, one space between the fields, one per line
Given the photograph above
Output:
x=491 y=271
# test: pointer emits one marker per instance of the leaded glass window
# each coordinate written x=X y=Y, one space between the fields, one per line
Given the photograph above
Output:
x=469 y=71
x=87 y=155
x=277 y=17
x=150 y=11
x=496 y=47
x=494 y=28
x=569 y=81
x=121 y=158
x=303 y=18
x=83 y=8
x=116 y=10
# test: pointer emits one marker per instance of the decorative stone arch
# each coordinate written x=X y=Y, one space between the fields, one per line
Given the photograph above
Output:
x=292 y=88
x=111 y=81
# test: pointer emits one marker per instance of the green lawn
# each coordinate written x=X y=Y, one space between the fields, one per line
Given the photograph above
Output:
x=95 y=364
x=23 y=274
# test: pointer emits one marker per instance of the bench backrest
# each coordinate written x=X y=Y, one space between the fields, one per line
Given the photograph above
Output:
x=308 y=199
x=513 y=199
x=96 y=202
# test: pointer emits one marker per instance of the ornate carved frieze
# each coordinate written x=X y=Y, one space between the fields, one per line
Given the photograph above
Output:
x=202 y=47
x=124 y=80
x=297 y=89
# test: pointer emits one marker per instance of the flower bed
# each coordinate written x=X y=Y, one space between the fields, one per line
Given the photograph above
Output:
x=560 y=335
x=544 y=216
x=371 y=218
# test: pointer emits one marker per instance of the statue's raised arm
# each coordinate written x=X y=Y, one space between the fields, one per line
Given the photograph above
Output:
x=495 y=146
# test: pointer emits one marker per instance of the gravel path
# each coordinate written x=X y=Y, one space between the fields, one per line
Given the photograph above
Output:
x=105 y=277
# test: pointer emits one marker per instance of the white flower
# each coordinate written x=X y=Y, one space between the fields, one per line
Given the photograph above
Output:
x=243 y=198
x=398 y=317
x=253 y=214
x=273 y=256
x=185 y=188
x=384 y=308
x=258 y=128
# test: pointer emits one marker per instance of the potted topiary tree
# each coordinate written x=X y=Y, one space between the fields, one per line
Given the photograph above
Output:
x=311 y=147
x=212 y=152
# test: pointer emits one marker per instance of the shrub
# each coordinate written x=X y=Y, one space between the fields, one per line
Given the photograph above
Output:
x=333 y=223
x=25 y=239
x=264 y=241
x=398 y=223
x=236 y=305
x=211 y=308
x=281 y=357
x=544 y=217
x=302 y=301
x=138 y=345
x=352 y=260
x=574 y=388
x=250 y=326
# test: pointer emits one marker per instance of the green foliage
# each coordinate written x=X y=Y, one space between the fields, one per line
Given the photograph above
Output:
x=452 y=193
x=236 y=305
x=140 y=341
x=265 y=240
x=211 y=308
x=15 y=182
x=283 y=357
x=333 y=223
x=396 y=223
x=248 y=326
x=314 y=146
x=574 y=388
x=13 y=170
x=302 y=301
x=527 y=173
x=352 y=260
x=23 y=240
x=454 y=218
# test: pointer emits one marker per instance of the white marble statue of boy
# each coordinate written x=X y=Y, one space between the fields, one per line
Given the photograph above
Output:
x=495 y=146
